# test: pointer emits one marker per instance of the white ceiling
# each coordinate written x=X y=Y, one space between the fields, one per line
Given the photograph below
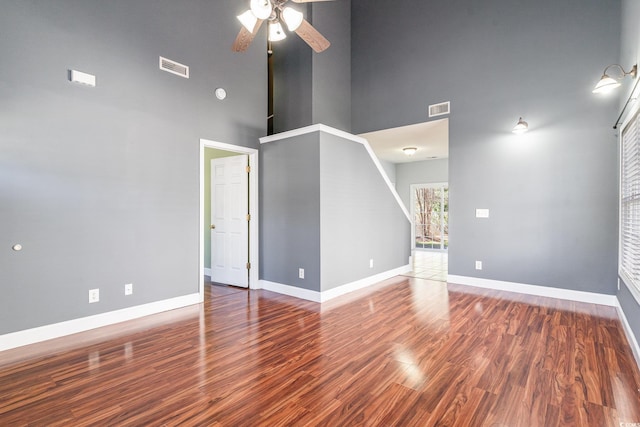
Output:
x=430 y=138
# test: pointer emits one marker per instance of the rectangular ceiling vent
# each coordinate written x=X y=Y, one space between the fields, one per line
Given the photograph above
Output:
x=174 y=67
x=440 y=109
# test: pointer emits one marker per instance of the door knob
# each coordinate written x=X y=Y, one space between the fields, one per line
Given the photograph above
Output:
x=213 y=226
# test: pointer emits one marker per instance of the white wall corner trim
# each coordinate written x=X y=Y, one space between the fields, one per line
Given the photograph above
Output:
x=57 y=330
x=633 y=342
x=327 y=295
x=310 y=129
x=362 y=283
x=542 y=291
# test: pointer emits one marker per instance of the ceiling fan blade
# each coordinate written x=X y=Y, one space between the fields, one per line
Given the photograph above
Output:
x=313 y=38
x=245 y=37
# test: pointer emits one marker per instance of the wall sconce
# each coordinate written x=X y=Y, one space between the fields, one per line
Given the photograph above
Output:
x=409 y=151
x=607 y=83
x=521 y=127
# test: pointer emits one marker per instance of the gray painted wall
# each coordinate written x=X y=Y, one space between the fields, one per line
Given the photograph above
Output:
x=309 y=87
x=629 y=55
x=552 y=194
x=292 y=77
x=321 y=206
x=424 y=172
x=100 y=185
x=290 y=211
x=360 y=219
x=331 y=84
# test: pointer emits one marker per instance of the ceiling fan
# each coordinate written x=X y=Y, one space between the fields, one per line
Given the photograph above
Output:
x=275 y=12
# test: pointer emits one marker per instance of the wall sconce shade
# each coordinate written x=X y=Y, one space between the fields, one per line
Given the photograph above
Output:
x=521 y=127
x=607 y=83
x=409 y=151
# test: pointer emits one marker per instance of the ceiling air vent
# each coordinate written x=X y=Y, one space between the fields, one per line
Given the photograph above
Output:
x=174 y=67
x=439 y=109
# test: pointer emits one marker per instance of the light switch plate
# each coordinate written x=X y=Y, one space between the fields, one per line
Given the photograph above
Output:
x=482 y=213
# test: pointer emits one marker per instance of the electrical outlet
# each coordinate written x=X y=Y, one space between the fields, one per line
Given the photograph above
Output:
x=371 y=263
x=128 y=288
x=301 y=273
x=94 y=295
x=478 y=265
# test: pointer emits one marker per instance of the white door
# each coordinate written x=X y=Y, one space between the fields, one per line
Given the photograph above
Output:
x=229 y=221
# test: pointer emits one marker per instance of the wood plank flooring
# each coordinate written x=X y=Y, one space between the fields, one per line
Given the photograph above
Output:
x=410 y=352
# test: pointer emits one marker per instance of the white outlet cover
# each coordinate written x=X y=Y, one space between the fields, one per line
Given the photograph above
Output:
x=478 y=265
x=128 y=288
x=82 y=78
x=301 y=273
x=94 y=295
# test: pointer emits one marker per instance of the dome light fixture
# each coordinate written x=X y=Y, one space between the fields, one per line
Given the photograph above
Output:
x=521 y=127
x=409 y=151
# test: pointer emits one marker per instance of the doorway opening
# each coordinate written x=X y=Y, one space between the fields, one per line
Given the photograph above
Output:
x=430 y=213
x=430 y=230
x=248 y=193
x=427 y=162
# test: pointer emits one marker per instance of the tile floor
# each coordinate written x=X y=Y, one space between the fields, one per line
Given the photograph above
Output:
x=429 y=265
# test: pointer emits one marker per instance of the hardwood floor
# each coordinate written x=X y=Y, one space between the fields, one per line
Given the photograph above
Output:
x=411 y=353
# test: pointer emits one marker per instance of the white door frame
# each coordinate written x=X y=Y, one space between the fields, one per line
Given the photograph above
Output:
x=253 y=209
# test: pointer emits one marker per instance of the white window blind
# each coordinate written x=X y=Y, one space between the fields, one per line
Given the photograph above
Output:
x=630 y=204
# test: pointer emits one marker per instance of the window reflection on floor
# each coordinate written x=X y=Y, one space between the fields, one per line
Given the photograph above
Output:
x=429 y=265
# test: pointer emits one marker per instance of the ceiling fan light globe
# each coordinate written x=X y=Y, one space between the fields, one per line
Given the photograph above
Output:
x=606 y=85
x=248 y=20
x=276 y=32
x=261 y=8
x=292 y=18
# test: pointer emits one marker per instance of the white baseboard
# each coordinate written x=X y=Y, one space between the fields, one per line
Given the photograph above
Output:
x=324 y=296
x=543 y=291
x=292 y=291
x=363 y=283
x=207 y=271
x=635 y=348
x=57 y=330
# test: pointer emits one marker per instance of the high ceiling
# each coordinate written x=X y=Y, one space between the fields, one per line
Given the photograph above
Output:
x=430 y=138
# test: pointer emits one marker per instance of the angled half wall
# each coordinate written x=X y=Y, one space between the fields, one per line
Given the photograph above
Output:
x=327 y=207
